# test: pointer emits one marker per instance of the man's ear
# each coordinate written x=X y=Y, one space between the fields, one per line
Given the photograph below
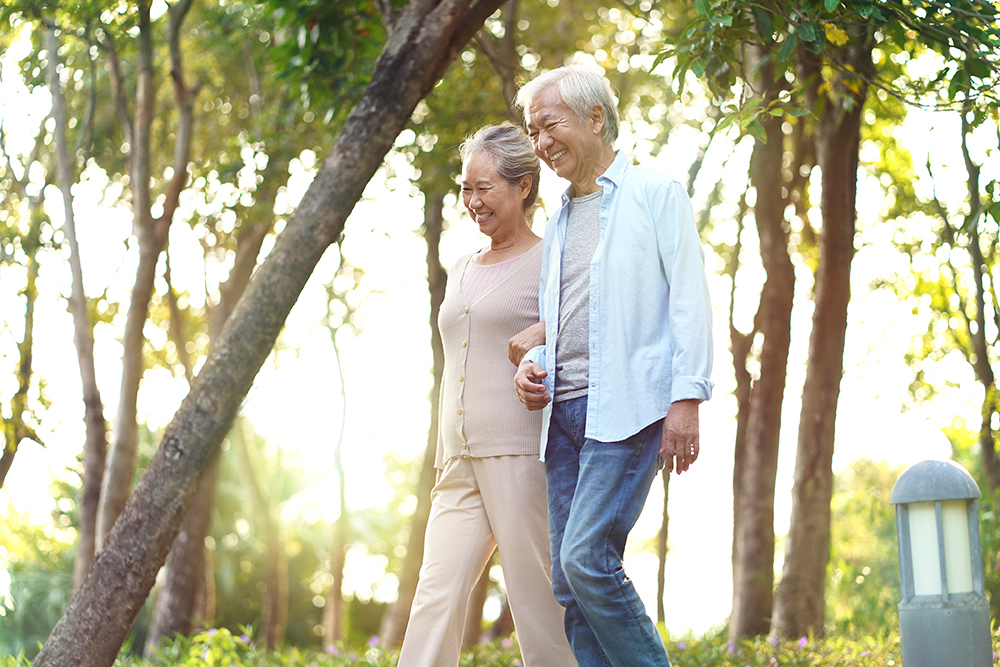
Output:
x=598 y=118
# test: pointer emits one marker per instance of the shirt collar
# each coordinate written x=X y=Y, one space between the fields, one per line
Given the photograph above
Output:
x=613 y=175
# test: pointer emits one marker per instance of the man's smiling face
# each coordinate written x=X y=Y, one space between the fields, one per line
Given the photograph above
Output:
x=570 y=147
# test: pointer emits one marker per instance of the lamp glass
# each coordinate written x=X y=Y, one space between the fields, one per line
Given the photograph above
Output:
x=924 y=549
x=957 y=549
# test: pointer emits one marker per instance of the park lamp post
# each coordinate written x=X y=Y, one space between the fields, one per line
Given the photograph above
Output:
x=944 y=615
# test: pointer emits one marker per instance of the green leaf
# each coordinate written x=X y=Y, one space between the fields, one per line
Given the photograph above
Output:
x=703 y=7
x=763 y=19
x=788 y=47
x=807 y=31
x=978 y=68
x=831 y=4
x=994 y=211
x=698 y=66
x=756 y=130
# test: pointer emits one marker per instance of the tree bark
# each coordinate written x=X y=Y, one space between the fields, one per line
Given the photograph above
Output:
x=799 y=607
x=393 y=626
x=426 y=37
x=95 y=446
x=274 y=605
x=977 y=335
x=151 y=234
x=333 y=610
x=14 y=429
x=182 y=598
x=755 y=474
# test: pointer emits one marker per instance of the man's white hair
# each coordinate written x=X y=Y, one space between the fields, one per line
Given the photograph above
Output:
x=581 y=90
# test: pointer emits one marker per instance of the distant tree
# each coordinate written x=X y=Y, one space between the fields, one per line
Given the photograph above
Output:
x=823 y=58
x=24 y=228
x=959 y=286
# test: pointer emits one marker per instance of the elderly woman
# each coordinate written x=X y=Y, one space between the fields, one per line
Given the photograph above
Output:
x=490 y=491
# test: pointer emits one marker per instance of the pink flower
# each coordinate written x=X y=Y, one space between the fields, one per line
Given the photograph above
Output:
x=507 y=642
x=373 y=640
x=803 y=641
x=331 y=650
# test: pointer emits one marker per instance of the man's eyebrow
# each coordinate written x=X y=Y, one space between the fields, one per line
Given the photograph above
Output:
x=541 y=120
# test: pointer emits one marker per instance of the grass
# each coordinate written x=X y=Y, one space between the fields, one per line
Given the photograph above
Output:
x=222 y=648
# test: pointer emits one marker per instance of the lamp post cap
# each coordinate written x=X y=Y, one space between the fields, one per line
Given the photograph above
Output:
x=933 y=480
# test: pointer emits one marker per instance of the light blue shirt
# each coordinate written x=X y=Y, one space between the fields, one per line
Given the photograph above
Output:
x=650 y=313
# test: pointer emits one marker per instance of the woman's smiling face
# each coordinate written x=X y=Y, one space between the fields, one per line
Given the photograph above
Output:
x=496 y=206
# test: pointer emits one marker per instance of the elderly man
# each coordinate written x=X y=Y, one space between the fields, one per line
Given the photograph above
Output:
x=625 y=362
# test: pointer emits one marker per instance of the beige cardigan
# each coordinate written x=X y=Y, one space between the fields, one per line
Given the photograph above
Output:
x=479 y=411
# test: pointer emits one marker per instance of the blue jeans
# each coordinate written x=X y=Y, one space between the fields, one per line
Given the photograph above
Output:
x=596 y=491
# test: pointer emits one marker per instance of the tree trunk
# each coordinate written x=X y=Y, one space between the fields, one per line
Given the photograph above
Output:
x=755 y=474
x=333 y=610
x=151 y=234
x=187 y=596
x=394 y=621
x=181 y=600
x=662 y=545
x=14 y=429
x=977 y=335
x=274 y=605
x=425 y=39
x=799 y=608
x=95 y=446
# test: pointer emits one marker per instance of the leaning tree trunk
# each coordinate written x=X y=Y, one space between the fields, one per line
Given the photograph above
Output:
x=800 y=603
x=425 y=39
x=754 y=476
x=394 y=622
x=185 y=595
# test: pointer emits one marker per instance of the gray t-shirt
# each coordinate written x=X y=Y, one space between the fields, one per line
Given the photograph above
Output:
x=572 y=356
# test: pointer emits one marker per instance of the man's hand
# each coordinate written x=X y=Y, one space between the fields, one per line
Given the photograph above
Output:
x=520 y=343
x=679 y=440
x=529 y=387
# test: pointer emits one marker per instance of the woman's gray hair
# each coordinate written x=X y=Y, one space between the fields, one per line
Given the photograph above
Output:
x=581 y=90
x=512 y=155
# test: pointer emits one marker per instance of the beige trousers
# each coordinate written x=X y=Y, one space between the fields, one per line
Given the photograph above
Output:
x=477 y=505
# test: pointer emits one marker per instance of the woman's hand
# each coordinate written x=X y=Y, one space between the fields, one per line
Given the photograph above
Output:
x=520 y=343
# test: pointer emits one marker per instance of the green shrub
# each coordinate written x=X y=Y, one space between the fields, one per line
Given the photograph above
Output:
x=222 y=648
